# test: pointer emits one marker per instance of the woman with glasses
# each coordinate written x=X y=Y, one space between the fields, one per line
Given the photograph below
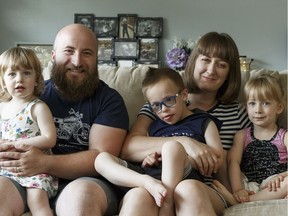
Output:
x=160 y=172
x=213 y=79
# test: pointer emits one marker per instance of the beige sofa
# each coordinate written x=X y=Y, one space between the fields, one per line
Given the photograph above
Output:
x=127 y=80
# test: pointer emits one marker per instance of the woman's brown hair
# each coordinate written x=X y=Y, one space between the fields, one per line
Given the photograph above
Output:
x=222 y=46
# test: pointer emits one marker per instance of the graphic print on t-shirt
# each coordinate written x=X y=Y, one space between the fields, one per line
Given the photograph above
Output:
x=72 y=126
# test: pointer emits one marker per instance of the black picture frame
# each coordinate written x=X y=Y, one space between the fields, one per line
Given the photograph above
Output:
x=127 y=25
x=149 y=48
x=106 y=26
x=149 y=27
x=125 y=48
x=85 y=19
x=105 y=49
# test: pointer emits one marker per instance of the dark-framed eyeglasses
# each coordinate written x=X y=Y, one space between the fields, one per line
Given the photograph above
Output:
x=168 y=102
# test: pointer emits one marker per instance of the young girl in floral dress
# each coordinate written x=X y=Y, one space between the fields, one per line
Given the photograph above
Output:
x=26 y=120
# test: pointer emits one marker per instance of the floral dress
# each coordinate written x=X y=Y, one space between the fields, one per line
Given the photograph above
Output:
x=23 y=126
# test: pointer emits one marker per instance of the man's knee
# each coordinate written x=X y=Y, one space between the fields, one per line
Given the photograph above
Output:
x=88 y=195
x=14 y=204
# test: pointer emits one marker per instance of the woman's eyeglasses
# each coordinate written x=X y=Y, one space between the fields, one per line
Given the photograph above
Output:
x=168 y=102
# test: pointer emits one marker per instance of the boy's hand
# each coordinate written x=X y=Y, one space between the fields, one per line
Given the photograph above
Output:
x=152 y=159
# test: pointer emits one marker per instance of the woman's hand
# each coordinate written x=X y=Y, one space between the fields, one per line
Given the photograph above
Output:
x=25 y=161
x=205 y=158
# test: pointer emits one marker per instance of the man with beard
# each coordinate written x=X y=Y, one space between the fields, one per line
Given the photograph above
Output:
x=90 y=118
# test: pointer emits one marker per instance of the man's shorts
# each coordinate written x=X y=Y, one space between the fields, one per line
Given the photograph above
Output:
x=110 y=190
x=22 y=191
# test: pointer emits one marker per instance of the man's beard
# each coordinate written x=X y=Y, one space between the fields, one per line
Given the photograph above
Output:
x=74 y=90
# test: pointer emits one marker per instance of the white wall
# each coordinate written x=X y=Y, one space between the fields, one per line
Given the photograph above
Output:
x=259 y=27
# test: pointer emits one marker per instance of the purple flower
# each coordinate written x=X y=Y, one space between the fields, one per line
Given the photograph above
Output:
x=177 y=58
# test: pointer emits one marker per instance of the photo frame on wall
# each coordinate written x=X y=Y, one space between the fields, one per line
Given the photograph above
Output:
x=127 y=25
x=148 y=49
x=125 y=48
x=84 y=19
x=42 y=51
x=104 y=49
x=106 y=26
x=149 y=27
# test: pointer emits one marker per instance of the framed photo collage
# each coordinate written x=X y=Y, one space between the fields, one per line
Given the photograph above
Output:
x=126 y=39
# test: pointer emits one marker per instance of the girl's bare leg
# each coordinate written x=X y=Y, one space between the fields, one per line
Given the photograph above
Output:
x=265 y=194
x=37 y=200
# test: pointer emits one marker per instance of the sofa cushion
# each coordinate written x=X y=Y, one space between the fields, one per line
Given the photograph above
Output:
x=128 y=82
x=259 y=208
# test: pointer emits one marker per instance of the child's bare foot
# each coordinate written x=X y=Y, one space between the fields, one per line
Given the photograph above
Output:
x=224 y=192
x=156 y=189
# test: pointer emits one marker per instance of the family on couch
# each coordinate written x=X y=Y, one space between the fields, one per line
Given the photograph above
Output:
x=212 y=78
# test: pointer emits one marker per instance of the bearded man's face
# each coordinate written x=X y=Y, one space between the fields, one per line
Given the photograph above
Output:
x=71 y=86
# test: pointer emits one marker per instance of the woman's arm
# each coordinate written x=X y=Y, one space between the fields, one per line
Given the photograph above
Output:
x=138 y=145
x=214 y=142
x=31 y=160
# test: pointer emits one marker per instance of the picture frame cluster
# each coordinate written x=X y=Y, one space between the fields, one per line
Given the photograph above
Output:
x=125 y=39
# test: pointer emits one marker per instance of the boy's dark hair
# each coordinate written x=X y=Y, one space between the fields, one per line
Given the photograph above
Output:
x=154 y=75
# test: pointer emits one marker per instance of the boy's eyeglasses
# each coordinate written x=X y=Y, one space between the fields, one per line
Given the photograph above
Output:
x=168 y=102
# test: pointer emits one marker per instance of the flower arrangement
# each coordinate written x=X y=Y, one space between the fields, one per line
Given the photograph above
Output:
x=178 y=56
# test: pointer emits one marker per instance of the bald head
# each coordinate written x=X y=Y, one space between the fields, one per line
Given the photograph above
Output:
x=74 y=59
x=76 y=33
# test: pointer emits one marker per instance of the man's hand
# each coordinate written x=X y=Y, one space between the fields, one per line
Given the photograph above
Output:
x=25 y=161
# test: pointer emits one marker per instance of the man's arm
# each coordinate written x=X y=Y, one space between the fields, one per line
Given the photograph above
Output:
x=69 y=166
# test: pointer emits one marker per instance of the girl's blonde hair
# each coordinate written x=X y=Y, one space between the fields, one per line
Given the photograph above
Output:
x=222 y=46
x=20 y=58
x=265 y=87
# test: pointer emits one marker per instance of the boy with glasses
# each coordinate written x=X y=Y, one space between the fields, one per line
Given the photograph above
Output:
x=160 y=172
